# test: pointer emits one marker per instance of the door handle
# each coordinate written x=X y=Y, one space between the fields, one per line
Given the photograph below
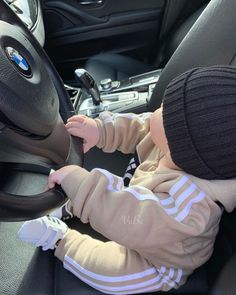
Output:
x=91 y=2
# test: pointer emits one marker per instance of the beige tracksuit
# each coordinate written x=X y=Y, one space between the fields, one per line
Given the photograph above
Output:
x=161 y=227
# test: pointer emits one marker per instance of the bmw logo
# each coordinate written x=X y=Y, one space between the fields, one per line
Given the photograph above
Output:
x=19 y=61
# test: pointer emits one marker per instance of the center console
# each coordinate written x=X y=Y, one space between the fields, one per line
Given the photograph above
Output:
x=116 y=96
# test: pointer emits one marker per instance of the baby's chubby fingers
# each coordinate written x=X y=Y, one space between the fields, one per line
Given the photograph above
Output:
x=75 y=128
x=73 y=124
x=77 y=118
x=57 y=176
x=85 y=128
x=75 y=131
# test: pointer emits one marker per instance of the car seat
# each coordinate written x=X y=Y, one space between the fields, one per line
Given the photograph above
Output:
x=25 y=270
x=119 y=67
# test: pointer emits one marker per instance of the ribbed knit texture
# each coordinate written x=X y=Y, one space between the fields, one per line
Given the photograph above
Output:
x=199 y=115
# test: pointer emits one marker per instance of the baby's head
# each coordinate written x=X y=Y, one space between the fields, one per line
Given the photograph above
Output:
x=199 y=118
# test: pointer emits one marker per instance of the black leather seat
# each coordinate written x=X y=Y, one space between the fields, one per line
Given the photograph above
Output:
x=35 y=272
x=226 y=283
x=29 y=271
x=115 y=66
x=210 y=41
x=119 y=67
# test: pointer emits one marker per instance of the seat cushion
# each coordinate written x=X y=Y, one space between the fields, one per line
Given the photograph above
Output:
x=115 y=66
x=119 y=67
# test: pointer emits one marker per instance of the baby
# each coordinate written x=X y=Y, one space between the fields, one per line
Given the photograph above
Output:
x=162 y=218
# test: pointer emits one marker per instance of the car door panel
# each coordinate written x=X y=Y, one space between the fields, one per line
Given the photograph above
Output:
x=75 y=31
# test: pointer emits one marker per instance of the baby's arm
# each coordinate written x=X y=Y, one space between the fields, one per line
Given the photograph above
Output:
x=84 y=127
x=111 y=131
x=122 y=131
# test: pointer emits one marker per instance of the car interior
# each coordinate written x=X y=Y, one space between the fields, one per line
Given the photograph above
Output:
x=87 y=57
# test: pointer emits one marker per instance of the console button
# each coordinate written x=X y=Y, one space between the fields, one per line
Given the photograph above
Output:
x=106 y=84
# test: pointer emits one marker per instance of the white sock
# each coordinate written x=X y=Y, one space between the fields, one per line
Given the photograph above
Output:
x=44 y=231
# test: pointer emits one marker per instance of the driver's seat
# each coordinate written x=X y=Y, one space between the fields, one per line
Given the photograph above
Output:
x=119 y=67
x=211 y=41
x=39 y=273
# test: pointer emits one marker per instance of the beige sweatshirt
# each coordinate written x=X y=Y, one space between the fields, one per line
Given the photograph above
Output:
x=161 y=227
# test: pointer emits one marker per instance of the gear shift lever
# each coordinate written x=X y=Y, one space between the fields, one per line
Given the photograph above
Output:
x=88 y=84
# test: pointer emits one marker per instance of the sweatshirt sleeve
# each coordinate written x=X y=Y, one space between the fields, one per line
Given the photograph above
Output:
x=122 y=131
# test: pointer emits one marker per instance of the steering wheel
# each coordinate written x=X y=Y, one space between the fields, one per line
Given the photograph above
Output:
x=33 y=109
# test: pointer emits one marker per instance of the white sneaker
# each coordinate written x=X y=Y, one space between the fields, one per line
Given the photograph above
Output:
x=63 y=212
x=45 y=231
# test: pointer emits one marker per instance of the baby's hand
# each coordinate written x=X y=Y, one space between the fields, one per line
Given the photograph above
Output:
x=84 y=127
x=57 y=176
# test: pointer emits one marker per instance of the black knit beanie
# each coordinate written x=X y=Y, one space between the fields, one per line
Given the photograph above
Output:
x=199 y=115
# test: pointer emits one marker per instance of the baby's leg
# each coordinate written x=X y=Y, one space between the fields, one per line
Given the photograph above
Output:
x=64 y=212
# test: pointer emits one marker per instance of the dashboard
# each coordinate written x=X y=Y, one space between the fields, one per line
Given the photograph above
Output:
x=29 y=11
